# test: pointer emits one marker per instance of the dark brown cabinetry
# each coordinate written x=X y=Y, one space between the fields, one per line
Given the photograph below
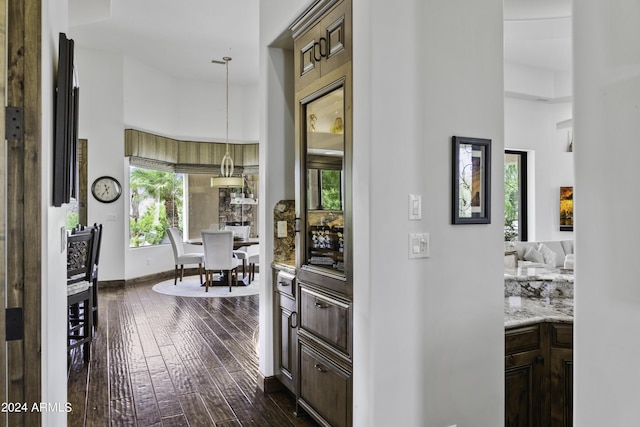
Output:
x=285 y=333
x=539 y=375
x=322 y=40
x=313 y=331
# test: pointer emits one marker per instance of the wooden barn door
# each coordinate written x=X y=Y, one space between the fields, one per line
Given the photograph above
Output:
x=3 y=204
x=21 y=211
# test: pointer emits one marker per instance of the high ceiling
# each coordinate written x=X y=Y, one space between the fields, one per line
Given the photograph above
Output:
x=182 y=37
x=537 y=33
x=178 y=37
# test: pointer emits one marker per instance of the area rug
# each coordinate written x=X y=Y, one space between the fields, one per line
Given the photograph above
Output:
x=190 y=287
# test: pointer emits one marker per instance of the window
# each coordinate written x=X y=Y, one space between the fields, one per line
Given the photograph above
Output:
x=156 y=203
x=515 y=195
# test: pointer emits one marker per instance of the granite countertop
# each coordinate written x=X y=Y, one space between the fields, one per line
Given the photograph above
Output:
x=288 y=266
x=539 y=274
x=521 y=311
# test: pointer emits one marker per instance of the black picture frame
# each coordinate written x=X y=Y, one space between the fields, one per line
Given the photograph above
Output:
x=471 y=181
x=65 y=138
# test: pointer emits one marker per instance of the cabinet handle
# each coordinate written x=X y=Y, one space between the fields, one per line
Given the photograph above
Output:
x=320 y=368
x=292 y=323
x=319 y=50
x=315 y=52
x=320 y=305
x=284 y=283
x=539 y=359
x=323 y=53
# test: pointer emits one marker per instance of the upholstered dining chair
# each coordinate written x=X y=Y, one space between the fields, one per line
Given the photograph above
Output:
x=218 y=256
x=253 y=258
x=182 y=258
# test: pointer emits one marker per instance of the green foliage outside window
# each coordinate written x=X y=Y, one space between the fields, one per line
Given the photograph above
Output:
x=156 y=204
x=331 y=194
x=511 y=201
x=149 y=229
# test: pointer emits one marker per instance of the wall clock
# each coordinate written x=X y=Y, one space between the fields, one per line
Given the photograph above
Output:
x=106 y=189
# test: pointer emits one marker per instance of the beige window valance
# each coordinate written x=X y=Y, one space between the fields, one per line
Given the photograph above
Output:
x=161 y=153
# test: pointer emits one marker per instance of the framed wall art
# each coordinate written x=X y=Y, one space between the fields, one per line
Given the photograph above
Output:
x=471 y=186
x=566 y=208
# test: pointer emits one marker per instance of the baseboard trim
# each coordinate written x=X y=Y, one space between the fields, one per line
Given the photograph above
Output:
x=111 y=283
x=157 y=277
x=270 y=384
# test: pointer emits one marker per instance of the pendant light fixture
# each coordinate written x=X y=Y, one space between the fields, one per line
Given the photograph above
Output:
x=226 y=178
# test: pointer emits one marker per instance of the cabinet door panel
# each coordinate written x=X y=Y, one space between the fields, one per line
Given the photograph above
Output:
x=524 y=390
x=307 y=58
x=286 y=342
x=325 y=387
x=336 y=27
x=326 y=318
x=561 y=384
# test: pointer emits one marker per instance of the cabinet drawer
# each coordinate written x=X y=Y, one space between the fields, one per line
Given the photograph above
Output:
x=326 y=317
x=561 y=335
x=285 y=283
x=522 y=339
x=325 y=387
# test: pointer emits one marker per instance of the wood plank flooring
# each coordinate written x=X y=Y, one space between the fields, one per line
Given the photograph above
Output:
x=159 y=360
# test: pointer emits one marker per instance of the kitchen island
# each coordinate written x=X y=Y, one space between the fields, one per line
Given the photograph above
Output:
x=538 y=319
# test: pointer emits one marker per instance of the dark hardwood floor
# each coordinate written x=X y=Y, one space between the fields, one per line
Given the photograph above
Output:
x=159 y=360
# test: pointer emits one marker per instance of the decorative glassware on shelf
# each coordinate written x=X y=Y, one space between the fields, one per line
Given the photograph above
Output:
x=324 y=180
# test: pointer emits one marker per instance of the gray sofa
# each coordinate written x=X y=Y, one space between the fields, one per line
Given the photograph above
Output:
x=556 y=254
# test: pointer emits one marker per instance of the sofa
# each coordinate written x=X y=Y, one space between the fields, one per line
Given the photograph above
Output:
x=555 y=254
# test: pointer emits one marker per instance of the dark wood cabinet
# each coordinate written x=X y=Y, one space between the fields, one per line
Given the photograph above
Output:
x=539 y=375
x=325 y=386
x=322 y=40
x=313 y=320
x=524 y=377
x=561 y=375
x=285 y=332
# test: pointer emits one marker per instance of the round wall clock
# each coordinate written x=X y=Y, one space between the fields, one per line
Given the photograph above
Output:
x=106 y=189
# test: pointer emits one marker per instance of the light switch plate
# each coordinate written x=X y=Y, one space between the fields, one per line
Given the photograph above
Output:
x=282 y=228
x=418 y=245
x=415 y=206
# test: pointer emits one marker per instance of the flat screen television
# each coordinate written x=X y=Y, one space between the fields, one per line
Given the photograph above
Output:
x=65 y=140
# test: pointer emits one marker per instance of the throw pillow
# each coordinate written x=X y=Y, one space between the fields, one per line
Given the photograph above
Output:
x=533 y=255
x=548 y=255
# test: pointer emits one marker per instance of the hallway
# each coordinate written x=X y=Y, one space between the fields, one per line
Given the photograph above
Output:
x=160 y=360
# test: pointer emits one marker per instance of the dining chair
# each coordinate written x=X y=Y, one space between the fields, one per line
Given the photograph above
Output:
x=218 y=256
x=253 y=258
x=80 y=291
x=182 y=258
x=241 y=254
x=95 y=262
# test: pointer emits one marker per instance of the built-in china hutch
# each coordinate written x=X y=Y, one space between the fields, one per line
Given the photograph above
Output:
x=314 y=298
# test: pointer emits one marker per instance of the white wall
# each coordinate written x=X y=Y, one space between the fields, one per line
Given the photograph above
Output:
x=531 y=126
x=607 y=295
x=120 y=92
x=428 y=334
x=101 y=123
x=149 y=98
x=54 y=260
x=439 y=320
x=277 y=146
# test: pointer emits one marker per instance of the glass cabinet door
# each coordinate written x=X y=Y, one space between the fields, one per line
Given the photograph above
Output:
x=324 y=178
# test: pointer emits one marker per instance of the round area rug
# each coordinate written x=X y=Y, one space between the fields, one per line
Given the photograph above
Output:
x=190 y=287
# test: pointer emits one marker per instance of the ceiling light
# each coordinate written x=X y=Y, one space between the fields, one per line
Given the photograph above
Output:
x=226 y=178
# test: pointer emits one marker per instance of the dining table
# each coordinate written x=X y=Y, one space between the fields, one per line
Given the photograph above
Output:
x=237 y=243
